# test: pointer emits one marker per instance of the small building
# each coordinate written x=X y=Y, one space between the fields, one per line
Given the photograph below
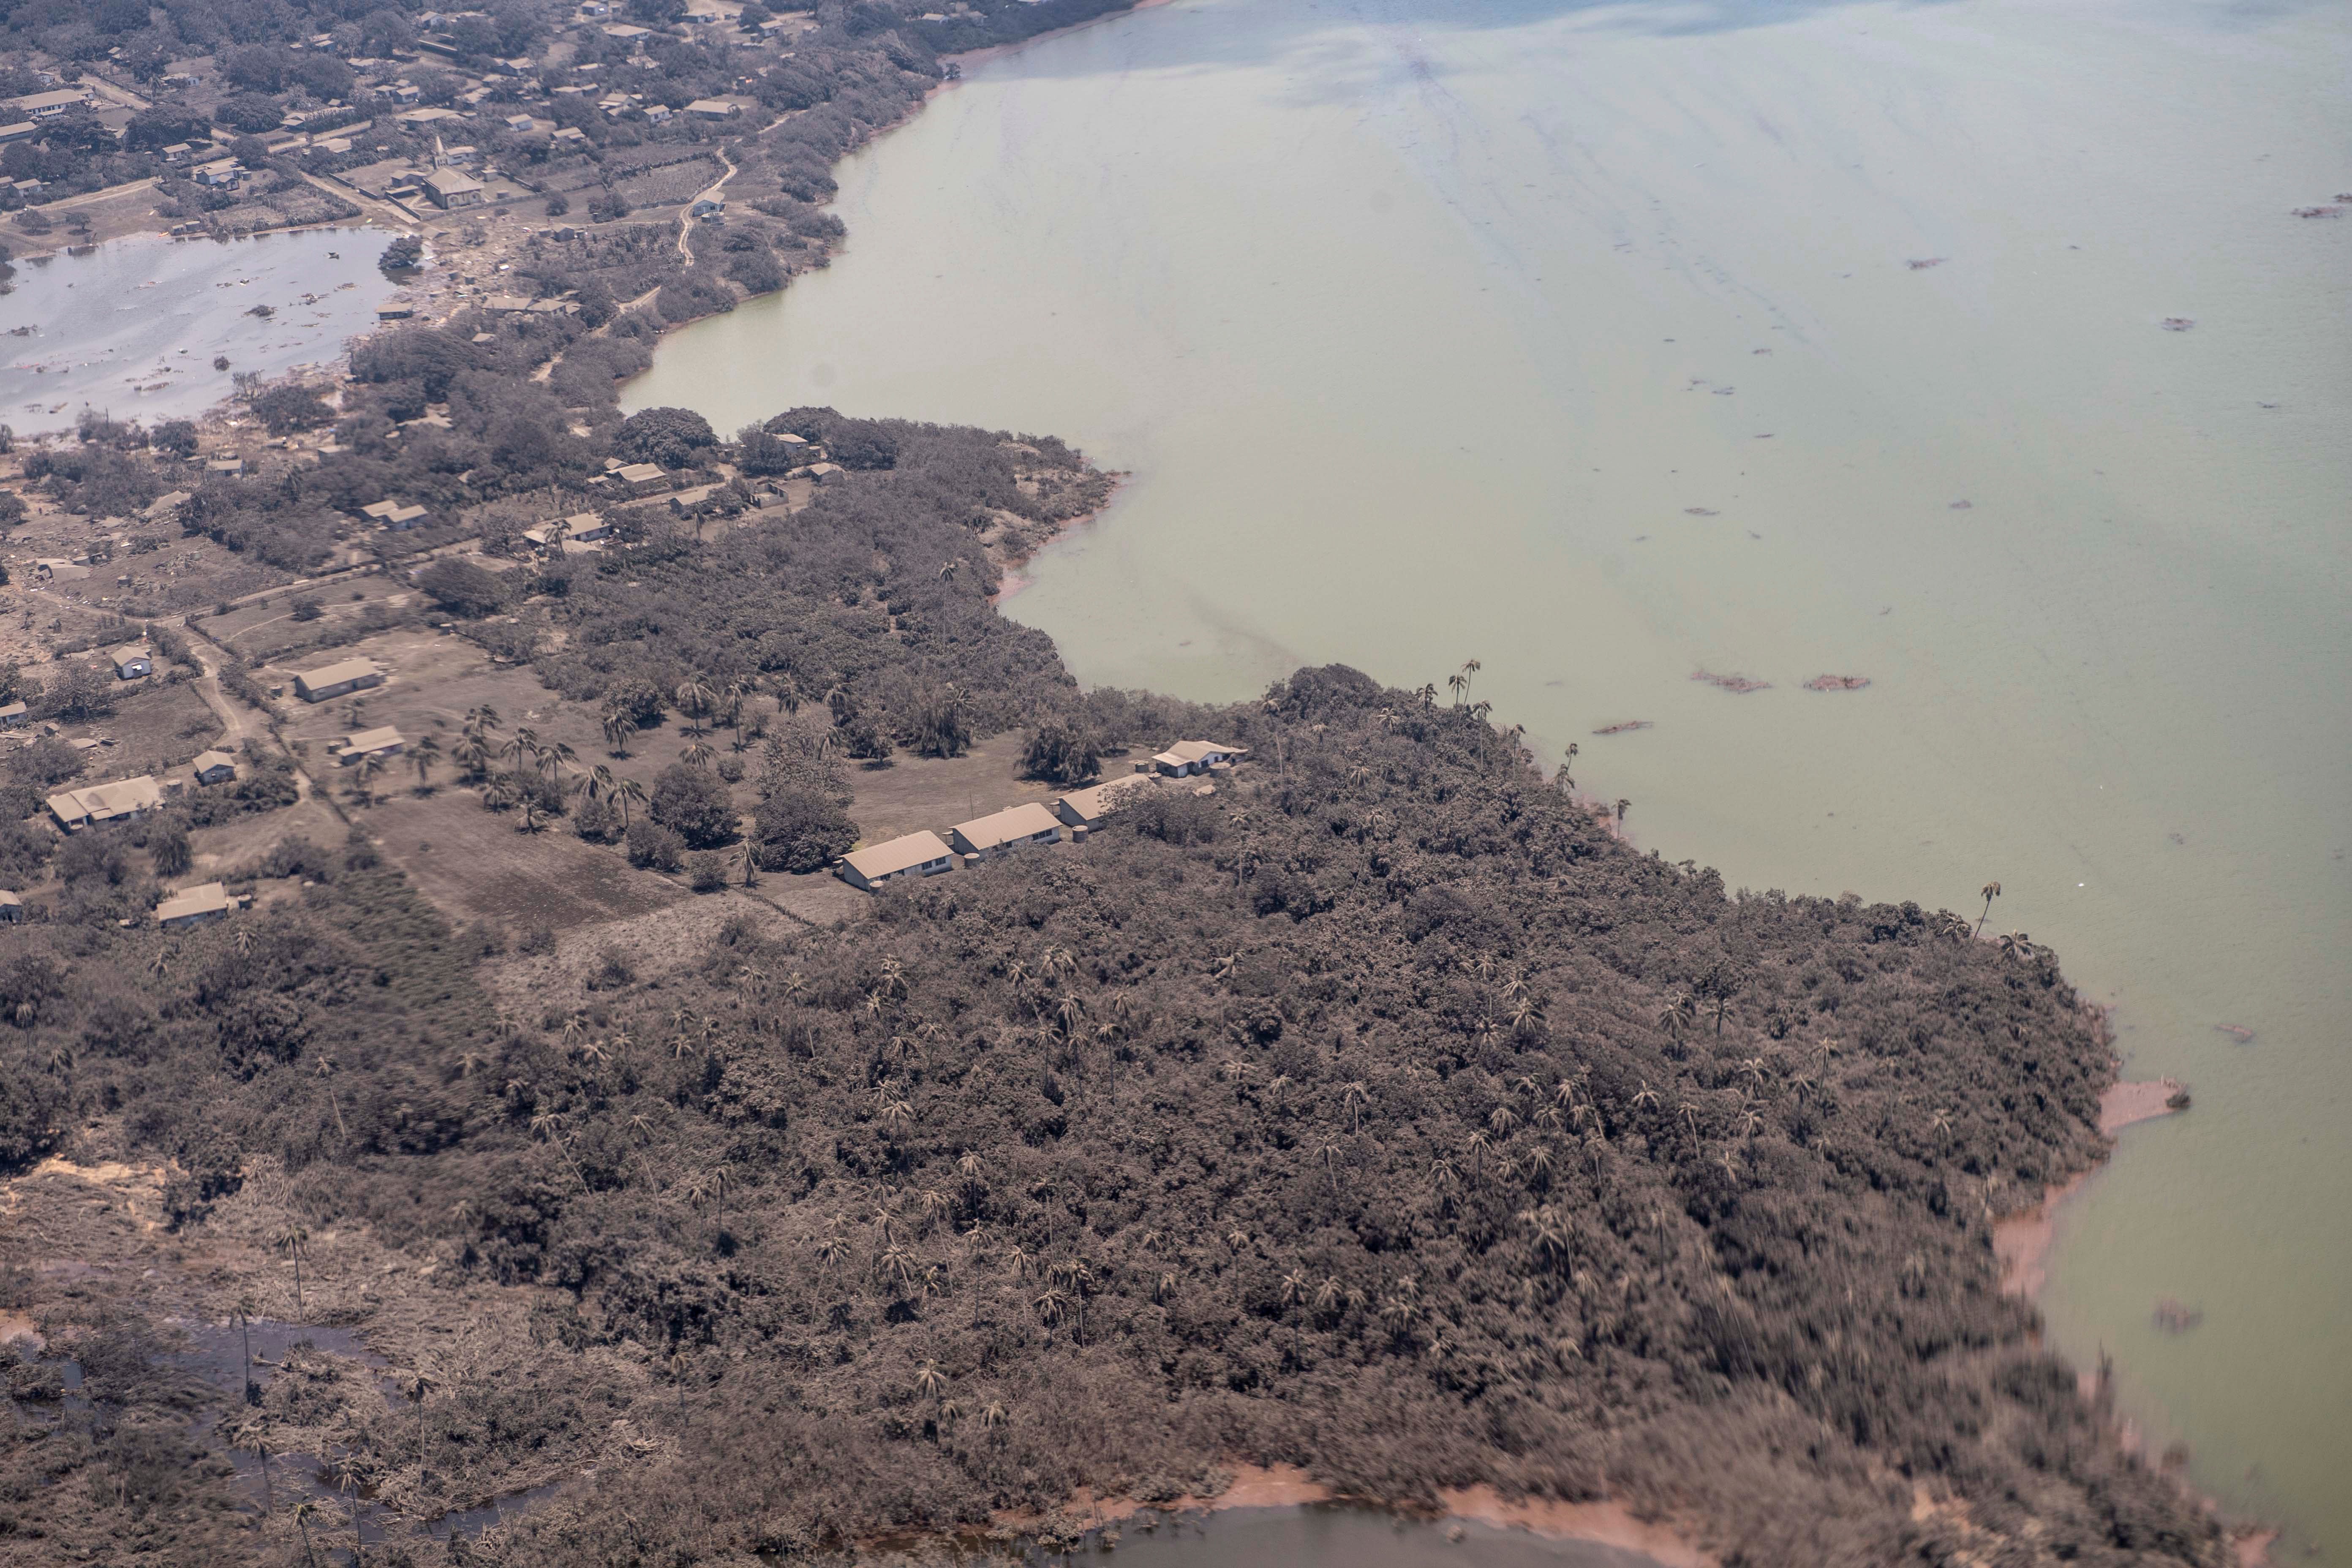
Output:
x=165 y=505
x=449 y=190
x=12 y=907
x=643 y=478
x=1087 y=807
x=334 y=679
x=1030 y=823
x=916 y=855
x=572 y=135
x=399 y=311
x=218 y=171
x=382 y=741
x=11 y=715
x=42 y=105
x=713 y=108
x=132 y=663
x=178 y=152
x=518 y=123
x=827 y=473
x=231 y=466
x=124 y=800
x=706 y=209
x=215 y=767
x=1186 y=758
x=191 y=906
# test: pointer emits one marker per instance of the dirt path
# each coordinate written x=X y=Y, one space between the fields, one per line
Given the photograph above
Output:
x=107 y=195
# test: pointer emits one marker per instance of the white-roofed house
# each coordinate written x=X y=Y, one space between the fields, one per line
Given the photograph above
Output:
x=1087 y=807
x=207 y=900
x=124 y=800
x=382 y=741
x=334 y=679
x=916 y=855
x=1188 y=757
x=1030 y=823
x=132 y=663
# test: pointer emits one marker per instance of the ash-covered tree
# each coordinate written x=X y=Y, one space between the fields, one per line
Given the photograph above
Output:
x=800 y=829
x=670 y=437
x=694 y=802
x=1061 y=750
x=462 y=588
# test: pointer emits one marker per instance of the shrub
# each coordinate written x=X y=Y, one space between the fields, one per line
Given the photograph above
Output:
x=402 y=254
x=462 y=588
x=1061 y=750
x=670 y=437
x=694 y=802
x=799 y=829
x=707 y=871
x=653 y=847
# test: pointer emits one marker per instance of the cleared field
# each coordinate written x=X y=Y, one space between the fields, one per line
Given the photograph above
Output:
x=476 y=864
x=917 y=792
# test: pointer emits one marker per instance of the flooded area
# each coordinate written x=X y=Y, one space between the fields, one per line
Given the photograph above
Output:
x=131 y=329
x=1902 y=447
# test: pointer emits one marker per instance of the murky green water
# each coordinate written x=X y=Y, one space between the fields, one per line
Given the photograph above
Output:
x=1587 y=342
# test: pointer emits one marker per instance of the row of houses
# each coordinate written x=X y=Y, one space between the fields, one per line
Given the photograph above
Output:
x=1000 y=833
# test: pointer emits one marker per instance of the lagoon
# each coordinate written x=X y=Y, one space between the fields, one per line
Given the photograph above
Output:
x=130 y=329
x=1973 y=348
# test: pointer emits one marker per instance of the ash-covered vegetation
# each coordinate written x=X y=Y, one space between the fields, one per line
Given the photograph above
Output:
x=1381 y=1114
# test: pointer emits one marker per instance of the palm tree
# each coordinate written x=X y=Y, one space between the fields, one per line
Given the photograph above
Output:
x=481 y=721
x=554 y=759
x=928 y=1383
x=304 y=1512
x=695 y=700
x=732 y=702
x=417 y=1385
x=426 y=753
x=1680 y=1013
x=253 y=1437
x=618 y=728
x=1354 y=1098
x=293 y=1237
x=1566 y=780
x=369 y=766
x=243 y=1312
x=523 y=743
x=1623 y=806
x=1991 y=892
x=697 y=752
x=471 y=755
x=626 y=791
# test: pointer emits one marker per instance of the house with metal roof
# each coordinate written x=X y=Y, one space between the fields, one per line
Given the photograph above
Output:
x=1087 y=807
x=132 y=663
x=124 y=800
x=916 y=855
x=213 y=767
x=336 y=679
x=382 y=741
x=1188 y=757
x=1000 y=831
x=190 y=906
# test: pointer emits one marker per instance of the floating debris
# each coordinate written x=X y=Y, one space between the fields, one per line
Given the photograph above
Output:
x=1837 y=683
x=1699 y=511
x=2236 y=1031
x=1625 y=728
x=1738 y=683
x=1925 y=262
x=2176 y=1316
x=1962 y=506
x=1725 y=391
x=2320 y=212
x=2179 y=323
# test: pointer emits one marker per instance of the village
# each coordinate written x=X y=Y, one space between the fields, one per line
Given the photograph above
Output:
x=359 y=742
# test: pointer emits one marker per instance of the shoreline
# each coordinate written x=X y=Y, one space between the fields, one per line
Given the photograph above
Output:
x=1255 y=1486
x=2022 y=1240
x=1012 y=580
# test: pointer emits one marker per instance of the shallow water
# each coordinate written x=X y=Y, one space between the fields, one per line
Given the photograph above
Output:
x=1587 y=342
x=131 y=329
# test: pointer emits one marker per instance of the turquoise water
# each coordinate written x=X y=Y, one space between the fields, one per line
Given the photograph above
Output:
x=1587 y=342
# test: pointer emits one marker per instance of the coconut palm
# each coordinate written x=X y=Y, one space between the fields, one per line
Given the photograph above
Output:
x=253 y=1437
x=1991 y=892
x=929 y=1384
x=523 y=743
x=618 y=728
x=697 y=752
x=1679 y=1013
x=364 y=786
x=733 y=704
x=481 y=721
x=626 y=792
x=294 y=1238
x=425 y=752
x=1565 y=779
x=304 y=1512
x=471 y=755
x=553 y=760
x=243 y=1312
x=1354 y=1098
x=695 y=700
